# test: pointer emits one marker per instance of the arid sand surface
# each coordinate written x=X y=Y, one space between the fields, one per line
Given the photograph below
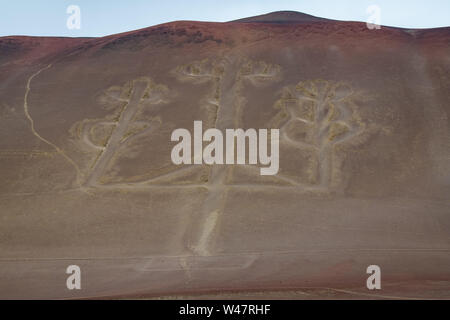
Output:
x=364 y=179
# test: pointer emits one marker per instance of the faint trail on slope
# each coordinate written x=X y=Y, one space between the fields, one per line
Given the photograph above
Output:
x=27 y=114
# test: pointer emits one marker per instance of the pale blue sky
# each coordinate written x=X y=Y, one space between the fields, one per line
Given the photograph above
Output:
x=104 y=17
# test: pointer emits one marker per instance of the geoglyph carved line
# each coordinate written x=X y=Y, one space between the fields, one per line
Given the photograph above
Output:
x=318 y=110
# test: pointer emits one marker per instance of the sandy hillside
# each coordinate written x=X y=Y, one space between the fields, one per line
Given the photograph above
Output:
x=364 y=179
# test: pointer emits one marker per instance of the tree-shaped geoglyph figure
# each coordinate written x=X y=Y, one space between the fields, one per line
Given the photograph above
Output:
x=317 y=115
x=225 y=102
x=110 y=135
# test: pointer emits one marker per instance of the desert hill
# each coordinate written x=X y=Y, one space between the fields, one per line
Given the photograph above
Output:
x=86 y=123
x=282 y=17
